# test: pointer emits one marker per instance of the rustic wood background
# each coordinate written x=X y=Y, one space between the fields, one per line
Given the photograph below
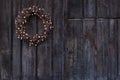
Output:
x=83 y=46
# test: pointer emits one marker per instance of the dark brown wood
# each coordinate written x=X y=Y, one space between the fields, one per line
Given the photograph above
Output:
x=118 y=13
x=118 y=55
x=107 y=8
x=75 y=8
x=6 y=41
x=102 y=48
x=83 y=46
x=44 y=51
x=58 y=49
x=29 y=53
x=89 y=48
x=73 y=51
x=90 y=8
x=113 y=49
x=16 y=43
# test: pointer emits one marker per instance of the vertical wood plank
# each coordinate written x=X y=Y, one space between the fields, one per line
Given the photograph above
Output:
x=118 y=49
x=118 y=7
x=29 y=53
x=85 y=49
x=0 y=40
x=75 y=9
x=113 y=50
x=80 y=49
x=101 y=58
x=5 y=41
x=44 y=52
x=89 y=48
x=73 y=51
x=103 y=8
x=58 y=50
x=16 y=5
x=108 y=8
x=113 y=5
x=90 y=8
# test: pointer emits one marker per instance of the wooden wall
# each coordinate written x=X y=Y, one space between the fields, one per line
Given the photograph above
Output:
x=83 y=46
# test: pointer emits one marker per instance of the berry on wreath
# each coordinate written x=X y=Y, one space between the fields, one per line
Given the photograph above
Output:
x=21 y=20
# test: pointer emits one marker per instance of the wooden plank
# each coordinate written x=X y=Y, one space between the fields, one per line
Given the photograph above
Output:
x=75 y=9
x=96 y=52
x=44 y=50
x=73 y=51
x=90 y=8
x=113 y=50
x=101 y=58
x=103 y=8
x=29 y=53
x=107 y=8
x=80 y=49
x=16 y=5
x=118 y=4
x=113 y=5
x=118 y=22
x=5 y=41
x=58 y=49
x=84 y=49
x=89 y=48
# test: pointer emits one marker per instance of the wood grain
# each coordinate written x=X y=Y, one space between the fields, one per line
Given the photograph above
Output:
x=83 y=46
x=58 y=50
x=73 y=51
x=17 y=60
x=90 y=8
x=44 y=50
x=29 y=53
x=75 y=8
x=118 y=55
x=6 y=41
x=113 y=50
x=102 y=45
x=108 y=8
x=89 y=48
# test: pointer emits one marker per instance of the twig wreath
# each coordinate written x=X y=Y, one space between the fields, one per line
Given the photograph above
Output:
x=21 y=19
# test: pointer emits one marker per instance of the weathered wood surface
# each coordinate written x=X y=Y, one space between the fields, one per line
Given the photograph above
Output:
x=83 y=46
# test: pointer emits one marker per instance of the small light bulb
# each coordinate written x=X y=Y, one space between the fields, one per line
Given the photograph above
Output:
x=39 y=8
x=22 y=12
x=35 y=44
x=42 y=39
x=18 y=28
x=26 y=34
x=51 y=27
x=29 y=8
x=45 y=28
x=25 y=21
x=44 y=25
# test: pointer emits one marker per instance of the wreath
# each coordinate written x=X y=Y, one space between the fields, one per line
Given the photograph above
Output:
x=21 y=20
